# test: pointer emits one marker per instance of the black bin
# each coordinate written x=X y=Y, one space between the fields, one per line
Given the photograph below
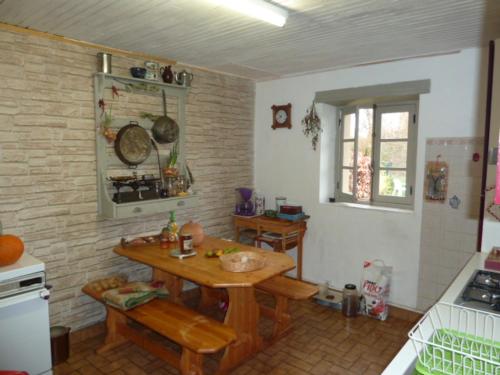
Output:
x=59 y=344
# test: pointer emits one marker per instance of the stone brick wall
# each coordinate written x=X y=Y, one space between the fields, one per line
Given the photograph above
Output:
x=48 y=163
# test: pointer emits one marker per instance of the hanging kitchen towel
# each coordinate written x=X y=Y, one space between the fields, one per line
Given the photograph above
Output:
x=375 y=288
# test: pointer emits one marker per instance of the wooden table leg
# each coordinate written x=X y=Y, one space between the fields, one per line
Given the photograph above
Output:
x=299 y=255
x=172 y=283
x=237 y=233
x=210 y=297
x=243 y=316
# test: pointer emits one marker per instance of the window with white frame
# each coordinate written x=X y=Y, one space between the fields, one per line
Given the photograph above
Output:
x=376 y=154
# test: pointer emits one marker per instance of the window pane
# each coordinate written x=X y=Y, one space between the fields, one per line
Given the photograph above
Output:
x=365 y=143
x=393 y=154
x=348 y=154
x=349 y=126
x=394 y=125
x=365 y=132
x=392 y=183
x=364 y=178
x=347 y=181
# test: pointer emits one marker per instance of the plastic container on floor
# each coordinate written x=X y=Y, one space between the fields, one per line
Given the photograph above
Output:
x=59 y=344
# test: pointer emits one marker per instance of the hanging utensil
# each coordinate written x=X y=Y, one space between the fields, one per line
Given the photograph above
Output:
x=133 y=144
x=165 y=129
x=162 y=180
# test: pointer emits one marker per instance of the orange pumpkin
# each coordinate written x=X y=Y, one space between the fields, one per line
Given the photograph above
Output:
x=11 y=249
x=196 y=230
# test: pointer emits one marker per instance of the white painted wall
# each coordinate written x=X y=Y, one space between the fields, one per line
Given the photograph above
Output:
x=340 y=238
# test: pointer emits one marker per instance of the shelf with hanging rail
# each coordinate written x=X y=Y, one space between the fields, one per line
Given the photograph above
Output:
x=106 y=159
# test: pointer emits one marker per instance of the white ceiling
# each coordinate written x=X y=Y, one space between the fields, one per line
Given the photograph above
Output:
x=319 y=34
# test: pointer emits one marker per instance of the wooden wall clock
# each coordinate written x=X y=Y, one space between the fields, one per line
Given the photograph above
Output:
x=282 y=116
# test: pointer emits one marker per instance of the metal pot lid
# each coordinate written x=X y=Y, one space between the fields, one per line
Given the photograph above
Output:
x=133 y=144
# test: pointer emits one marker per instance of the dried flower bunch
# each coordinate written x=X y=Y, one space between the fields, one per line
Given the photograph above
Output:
x=312 y=125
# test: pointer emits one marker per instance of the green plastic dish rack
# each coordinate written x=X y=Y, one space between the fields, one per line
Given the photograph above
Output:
x=454 y=340
x=438 y=361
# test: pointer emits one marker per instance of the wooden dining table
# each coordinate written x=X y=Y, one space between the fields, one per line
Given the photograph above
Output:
x=243 y=311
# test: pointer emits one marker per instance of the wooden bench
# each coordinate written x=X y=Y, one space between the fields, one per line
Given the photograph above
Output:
x=197 y=334
x=283 y=288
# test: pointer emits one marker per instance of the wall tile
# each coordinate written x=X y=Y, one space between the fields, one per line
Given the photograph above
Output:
x=448 y=236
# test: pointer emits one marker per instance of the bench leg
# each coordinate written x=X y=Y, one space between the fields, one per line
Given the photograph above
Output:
x=283 y=318
x=191 y=363
x=172 y=283
x=113 y=338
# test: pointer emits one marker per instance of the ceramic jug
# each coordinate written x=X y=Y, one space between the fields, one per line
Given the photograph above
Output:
x=166 y=74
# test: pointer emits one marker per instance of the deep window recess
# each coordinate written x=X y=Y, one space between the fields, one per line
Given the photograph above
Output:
x=376 y=154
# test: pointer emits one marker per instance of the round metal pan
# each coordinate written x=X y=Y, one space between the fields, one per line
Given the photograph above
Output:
x=165 y=129
x=133 y=144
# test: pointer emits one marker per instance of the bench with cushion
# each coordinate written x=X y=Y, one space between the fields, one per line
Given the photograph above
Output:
x=283 y=288
x=197 y=334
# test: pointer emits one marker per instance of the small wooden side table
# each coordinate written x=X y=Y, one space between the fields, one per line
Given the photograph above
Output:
x=283 y=227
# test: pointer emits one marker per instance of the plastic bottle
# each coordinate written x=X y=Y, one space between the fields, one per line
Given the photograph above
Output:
x=350 y=301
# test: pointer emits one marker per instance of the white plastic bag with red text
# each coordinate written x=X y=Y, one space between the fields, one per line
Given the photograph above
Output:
x=375 y=288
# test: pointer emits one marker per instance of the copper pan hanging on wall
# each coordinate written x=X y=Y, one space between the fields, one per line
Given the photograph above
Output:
x=165 y=129
x=133 y=144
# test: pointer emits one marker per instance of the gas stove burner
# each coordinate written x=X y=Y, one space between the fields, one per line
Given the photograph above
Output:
x=484 y=295
x=486 y=278
x=482 y=291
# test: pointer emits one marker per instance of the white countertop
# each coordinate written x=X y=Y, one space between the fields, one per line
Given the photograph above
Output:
x=24 y=266
x=403 y=362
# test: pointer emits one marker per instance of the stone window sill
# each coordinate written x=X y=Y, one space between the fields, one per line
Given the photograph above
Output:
x=371 y=207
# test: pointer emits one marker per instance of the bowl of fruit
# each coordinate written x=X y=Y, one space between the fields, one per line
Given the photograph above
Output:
x=216 y=253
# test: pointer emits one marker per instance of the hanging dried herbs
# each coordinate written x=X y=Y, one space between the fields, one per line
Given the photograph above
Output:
x=312 y=125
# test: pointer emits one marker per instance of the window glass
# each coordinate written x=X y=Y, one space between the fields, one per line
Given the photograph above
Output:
x=393 y=154
x=365 y=149
x=347 y=177
x=349 y=122
x=392 y=183
x=348 y=154
x=394 y=125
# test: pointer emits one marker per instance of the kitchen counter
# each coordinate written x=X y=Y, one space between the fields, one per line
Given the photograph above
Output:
x=404 y=362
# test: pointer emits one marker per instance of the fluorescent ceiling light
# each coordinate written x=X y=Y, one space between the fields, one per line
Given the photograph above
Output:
x=259 y=9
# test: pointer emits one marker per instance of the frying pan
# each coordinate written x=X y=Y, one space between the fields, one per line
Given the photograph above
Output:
x=165 y=129
x=133 y=144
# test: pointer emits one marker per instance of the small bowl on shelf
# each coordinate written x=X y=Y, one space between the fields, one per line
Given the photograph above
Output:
x=138 y=72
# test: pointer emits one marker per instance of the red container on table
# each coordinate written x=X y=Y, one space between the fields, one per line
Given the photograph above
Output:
x=290 y=210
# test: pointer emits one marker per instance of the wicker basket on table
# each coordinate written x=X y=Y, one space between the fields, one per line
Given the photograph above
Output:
x=244 y=261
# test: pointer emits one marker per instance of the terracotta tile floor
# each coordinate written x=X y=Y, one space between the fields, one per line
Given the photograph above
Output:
x=322 y=342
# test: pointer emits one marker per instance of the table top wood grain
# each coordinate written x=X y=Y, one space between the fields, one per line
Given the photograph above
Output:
x=207 y=271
